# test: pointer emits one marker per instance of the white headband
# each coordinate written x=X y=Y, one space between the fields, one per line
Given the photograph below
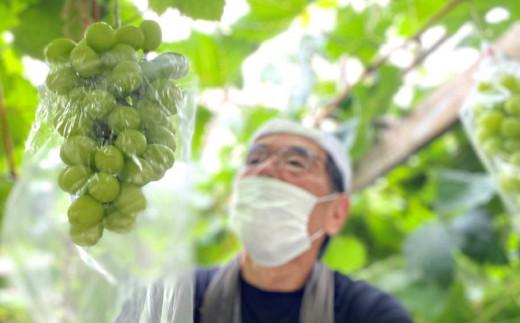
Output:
x=326 y=141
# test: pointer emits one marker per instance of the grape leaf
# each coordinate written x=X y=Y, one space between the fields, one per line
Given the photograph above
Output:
x=9 y=12
x=267 y=18
x=354 y=36
x=461 y=190
x=202 y=9
x=30 y=37
x=216 y=59
x=345 y=254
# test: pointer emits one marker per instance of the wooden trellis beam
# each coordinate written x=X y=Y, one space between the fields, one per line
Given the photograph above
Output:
x=430 y=119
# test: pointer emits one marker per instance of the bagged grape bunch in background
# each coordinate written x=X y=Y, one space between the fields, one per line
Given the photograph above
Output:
x=491 y=117
x=99 y=224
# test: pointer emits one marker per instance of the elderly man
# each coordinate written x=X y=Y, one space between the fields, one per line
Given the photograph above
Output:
x=289 y=197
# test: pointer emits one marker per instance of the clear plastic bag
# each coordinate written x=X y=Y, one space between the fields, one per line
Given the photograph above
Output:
x=491 y=118
x=99 y=224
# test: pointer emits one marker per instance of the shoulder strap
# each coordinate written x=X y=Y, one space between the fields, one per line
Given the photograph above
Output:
x=318 y=296
x=222 y=298
x=221 y=301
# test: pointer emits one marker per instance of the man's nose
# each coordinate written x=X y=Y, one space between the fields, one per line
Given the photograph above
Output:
x=268 y=168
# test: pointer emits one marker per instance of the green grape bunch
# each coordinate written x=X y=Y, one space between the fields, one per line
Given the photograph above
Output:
x=114 y=108
x=495 y=129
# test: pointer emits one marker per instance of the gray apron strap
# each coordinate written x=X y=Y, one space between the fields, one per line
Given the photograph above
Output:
x=221 y=303
x=318 y=296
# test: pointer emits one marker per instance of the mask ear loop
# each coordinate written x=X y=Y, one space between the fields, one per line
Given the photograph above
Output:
x=321 y=199
x=316 y=235
x=327 y=198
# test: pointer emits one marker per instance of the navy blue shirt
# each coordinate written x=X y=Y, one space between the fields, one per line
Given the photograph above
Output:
x=354 y=302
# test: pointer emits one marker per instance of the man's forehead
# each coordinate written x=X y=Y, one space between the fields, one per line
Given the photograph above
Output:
x=276 y=140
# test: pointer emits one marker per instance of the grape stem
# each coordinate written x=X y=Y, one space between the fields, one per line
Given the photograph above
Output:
x=6 y=135
x=329 y=108
x=117 y=21
x=96 y=11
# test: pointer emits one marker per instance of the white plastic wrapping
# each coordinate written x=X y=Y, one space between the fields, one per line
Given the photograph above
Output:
x=491 y=118
x=112 y=241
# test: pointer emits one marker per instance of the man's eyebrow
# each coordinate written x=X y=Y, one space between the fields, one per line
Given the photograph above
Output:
x=257 y=146
x=300 y=150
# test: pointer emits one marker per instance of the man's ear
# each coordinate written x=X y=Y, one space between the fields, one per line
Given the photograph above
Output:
x=338 y=214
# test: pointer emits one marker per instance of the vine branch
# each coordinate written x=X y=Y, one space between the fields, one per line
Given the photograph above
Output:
x=330 y=107
x=117 y=21
x=6 y=135
x=96 y=10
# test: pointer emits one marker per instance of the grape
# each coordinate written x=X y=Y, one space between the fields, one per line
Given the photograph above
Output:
x=160 y=157
x=510 y=82
x=166 y=65
x=109 y=159
x=119 y=53
x=166 y=94
x=491 y=121
x=113 y=108
x=512 y=145
x=103 y=187
x=151 y=114
x=509 y=182
x=515 y=158
x=137 y=171
x=86 y=236
x=62 y=80
x=483 y=133
x=510 y=127
x=123 y=117
x=131 y=142
x=131 y=36
x=119 y=222
x=152 y=35
x=126 y=77
x=85 y=212
x=73 y=178
x=161 y=135
x=85 y=60
x=513 y=105
x=491 y=146
x=131 y=200
x=99 y=103
x=71 y=122
x=484 y=86
x=100 y=36
x=78 y=150
x=58 y=50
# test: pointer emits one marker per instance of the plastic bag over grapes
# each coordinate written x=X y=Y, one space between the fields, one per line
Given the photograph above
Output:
x=491 y=117
x=99 y=223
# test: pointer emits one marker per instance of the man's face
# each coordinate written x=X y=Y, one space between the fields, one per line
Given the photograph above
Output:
x=295 y=160
x=289 y=158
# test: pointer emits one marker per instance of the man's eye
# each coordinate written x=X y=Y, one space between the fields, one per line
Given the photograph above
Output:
x=296 y=162
x=253 y=160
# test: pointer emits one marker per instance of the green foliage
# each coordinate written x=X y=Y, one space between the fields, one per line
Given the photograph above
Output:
x=444 y=305
x=459 y=190
x=9 y=13
x=345 y=254
x=267 y=18
x=370 y=100
x=431 y=231
x=30 y=37
x=354 y=36
x=429 y=253
x=479 y=239
x=5 y=187
x=206 y=9
x=216 y=59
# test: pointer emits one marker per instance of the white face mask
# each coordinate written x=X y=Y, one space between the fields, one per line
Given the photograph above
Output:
x=270 y=217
